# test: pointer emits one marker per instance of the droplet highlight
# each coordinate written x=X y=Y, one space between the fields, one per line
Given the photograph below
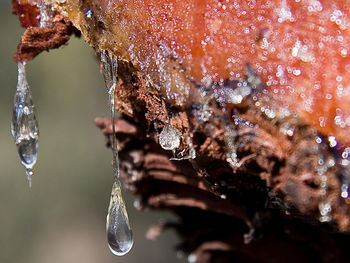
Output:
x=24 y=126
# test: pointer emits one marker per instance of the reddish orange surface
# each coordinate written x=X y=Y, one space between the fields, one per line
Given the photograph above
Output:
x=299 y=48
x=28 y=13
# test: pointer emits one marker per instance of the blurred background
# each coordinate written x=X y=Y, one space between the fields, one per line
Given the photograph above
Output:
x=62 y=217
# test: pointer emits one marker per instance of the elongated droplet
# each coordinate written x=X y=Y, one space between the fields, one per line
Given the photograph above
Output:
x=119 y=233
x=24 y=126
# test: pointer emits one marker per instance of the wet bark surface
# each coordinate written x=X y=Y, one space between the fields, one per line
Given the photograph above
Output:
x=246 y=187
x=265 y=210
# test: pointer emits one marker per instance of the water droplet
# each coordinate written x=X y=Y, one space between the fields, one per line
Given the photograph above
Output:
x=169 y=138
x=119 y=233
x=296 y=72
x=287 y=129
x=344 y=191
x=343 y=52
x=24 y=126
x=89 y=14
x=332 y=141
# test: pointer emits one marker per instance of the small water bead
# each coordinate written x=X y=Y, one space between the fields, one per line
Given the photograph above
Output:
x=332 y=141
x=119 y=233
x=296 y=72
x=24 y=126
x=344 y=191
x=318 y=140
x=89 y=14
x=287 y=129
x=343 y=52
x=169 y=138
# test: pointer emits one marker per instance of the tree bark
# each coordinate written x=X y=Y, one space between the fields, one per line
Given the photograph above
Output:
x=246 y=187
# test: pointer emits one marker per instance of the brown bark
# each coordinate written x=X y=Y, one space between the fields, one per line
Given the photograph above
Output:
x=263 y=211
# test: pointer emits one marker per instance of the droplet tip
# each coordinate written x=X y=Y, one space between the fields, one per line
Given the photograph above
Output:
x=29 y=173
x=121 y=253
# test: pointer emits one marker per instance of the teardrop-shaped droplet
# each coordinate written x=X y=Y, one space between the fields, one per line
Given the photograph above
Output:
x=119 y=233
x=24 y=126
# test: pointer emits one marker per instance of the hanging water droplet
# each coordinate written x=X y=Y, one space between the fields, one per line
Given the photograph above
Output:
x=119 y=233
x=24 y=126
x=169 y=138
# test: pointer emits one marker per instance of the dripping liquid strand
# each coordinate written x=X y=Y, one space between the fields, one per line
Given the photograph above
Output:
x=119 y=234
x=112 y=67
